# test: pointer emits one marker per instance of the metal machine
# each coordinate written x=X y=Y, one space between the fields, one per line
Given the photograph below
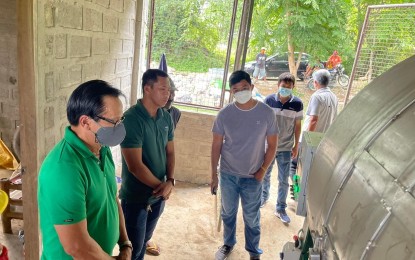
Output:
x=361 y=187
x=309 y=144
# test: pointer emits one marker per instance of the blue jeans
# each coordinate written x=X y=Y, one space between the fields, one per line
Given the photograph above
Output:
x=283 y=161
x=249 y=190
x=140 y=223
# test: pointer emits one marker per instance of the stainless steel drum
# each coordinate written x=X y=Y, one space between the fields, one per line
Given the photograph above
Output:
x=360 y=196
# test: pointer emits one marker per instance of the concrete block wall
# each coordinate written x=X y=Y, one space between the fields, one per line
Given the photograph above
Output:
x=193 y=140
x=9 y=94
x=78 y=41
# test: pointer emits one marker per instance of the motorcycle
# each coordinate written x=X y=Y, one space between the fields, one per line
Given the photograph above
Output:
x=336 y=75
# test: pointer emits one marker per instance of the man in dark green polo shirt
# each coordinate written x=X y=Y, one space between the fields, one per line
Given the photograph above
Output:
x=148 y=160
x=80 y=215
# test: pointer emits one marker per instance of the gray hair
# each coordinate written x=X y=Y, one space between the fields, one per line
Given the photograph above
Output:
x=322 y=77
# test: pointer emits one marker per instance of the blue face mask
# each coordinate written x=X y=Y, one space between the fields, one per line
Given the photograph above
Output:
x=285 y=92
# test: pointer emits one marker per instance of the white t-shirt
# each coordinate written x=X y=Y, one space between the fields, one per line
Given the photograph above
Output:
x=323 y=103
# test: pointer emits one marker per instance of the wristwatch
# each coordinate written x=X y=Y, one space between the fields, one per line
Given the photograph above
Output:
x=126 y=243
x=173 y=181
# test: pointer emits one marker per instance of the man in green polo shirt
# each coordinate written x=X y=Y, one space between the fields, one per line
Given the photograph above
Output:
x=148 y=160
x=80 y=215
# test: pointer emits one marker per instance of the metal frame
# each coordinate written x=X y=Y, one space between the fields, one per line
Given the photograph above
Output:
x=361 y=39
x=228 y=52
x=150 y=32
x=242 y=46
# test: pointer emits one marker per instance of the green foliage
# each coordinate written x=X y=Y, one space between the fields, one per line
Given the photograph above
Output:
x=167 y=32
x=192 y=33
x=314 y=27
x=193 y=59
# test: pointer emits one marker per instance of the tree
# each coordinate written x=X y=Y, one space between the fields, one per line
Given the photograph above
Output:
x=313 y=26
x=193 y=32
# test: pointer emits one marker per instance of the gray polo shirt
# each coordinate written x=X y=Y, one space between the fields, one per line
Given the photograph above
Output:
x=323 y=103
x=245 y=133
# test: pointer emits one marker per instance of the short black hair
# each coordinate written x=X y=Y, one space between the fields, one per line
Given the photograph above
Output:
x=88 y=99
x=150 y=77
x=286 y=77
x=238 y=76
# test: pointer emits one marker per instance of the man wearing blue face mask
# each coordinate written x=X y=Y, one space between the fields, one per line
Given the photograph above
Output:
x=289 y=111
x=80 y=215
x=239 y=134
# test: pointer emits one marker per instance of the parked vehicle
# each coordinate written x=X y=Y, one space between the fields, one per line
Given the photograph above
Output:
x=336 y=75
x=278 y=63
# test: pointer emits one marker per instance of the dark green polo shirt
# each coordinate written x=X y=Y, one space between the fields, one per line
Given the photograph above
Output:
x=74 y=185
x=150 y=134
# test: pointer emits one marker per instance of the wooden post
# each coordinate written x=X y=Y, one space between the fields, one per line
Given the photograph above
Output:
x=28 y=119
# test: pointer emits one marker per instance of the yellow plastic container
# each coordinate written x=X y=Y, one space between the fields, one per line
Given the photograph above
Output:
x=4 y=199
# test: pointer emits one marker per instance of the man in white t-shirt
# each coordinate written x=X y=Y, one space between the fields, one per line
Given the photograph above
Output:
x=321 y=111
x=322 y=108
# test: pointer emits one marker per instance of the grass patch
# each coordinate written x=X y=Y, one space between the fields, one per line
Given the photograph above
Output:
x=201 y=110
x=192 y=60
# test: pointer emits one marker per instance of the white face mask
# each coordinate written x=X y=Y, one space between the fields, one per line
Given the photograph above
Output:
x=243 y=96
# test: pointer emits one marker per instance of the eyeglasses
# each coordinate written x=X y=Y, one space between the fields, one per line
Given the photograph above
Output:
x=115 y=123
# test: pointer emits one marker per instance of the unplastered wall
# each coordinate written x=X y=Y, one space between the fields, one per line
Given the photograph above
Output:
x=9 y=94
x=193 y=140
x=77 y=41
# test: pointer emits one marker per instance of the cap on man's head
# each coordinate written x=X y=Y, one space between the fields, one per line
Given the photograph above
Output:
x=263 y=48
x=172 y=86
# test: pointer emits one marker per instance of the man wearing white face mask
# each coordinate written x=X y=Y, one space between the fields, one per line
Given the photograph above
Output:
x=239 y=134
x=289 y=111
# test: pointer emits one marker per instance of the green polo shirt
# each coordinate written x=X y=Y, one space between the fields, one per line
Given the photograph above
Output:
x=74 y=185
x=151 y=134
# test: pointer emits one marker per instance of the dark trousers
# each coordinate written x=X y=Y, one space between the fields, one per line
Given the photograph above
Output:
x=140 y=221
